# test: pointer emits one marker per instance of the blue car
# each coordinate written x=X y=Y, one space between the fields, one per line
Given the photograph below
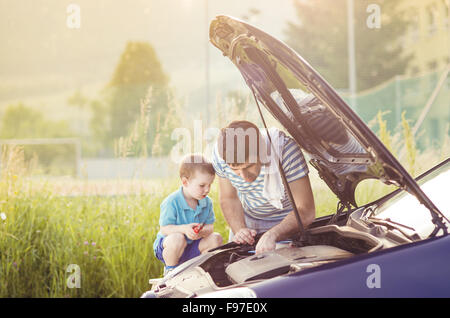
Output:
x=397 y=246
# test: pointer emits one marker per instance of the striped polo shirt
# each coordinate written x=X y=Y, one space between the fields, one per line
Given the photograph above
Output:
x=251 y=193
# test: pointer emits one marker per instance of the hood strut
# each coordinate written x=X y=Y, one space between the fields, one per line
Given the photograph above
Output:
x=303 y=233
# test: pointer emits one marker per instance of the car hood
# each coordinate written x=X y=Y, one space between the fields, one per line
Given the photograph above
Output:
x=341 y=146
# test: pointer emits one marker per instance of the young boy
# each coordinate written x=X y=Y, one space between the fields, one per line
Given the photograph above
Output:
x=187 y=216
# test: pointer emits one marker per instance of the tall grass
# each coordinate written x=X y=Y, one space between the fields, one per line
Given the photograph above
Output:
x=402 y=144
x=110 y=238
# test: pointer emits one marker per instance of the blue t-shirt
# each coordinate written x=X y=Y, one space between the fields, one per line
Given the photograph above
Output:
x=176 y=211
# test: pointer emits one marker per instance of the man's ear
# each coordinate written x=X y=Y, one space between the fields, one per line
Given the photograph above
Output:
x=184 y=181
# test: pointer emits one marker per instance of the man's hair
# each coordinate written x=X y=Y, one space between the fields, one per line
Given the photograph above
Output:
x=195 y=162
x=239 y=142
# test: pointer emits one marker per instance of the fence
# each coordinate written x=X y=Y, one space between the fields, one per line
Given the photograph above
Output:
x=127 y=168
x=410 y=95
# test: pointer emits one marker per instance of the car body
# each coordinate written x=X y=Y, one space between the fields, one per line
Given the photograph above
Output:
x=397 y=246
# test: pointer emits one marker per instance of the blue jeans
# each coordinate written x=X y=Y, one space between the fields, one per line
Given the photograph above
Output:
x=190 y=251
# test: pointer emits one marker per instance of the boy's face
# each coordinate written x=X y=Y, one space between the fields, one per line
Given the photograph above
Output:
x=198 y=185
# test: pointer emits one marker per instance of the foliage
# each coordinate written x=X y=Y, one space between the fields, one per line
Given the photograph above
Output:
x=383 y=133
x=98 y=128
x=110 y=237
x=136 y=143
x=321 y=37
x=410 y=144
x=239 y=99
x=78 y=99
x=22 y=122
x=138 y=70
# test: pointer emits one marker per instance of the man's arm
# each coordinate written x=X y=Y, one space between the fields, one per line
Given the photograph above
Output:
x=233 y=212
x=304 y=201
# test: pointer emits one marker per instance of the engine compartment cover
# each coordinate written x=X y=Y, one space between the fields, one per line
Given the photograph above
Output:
x=279 y=261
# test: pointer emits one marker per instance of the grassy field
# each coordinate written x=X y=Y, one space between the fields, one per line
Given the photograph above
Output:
x=43 y=231
x=109 y=237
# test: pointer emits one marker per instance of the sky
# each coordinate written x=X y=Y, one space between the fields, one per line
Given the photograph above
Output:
x=42 y=57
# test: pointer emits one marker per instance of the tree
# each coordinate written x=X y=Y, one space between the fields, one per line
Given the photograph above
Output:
x=320 y=37
x=22 y=122
x=77 y=99
x=138 y=70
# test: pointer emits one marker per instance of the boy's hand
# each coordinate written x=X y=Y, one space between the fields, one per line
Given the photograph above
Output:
x=198 y=228
x=189 y=231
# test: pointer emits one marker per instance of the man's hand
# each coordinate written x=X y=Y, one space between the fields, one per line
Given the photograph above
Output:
x=245 y=236
x=266 y=243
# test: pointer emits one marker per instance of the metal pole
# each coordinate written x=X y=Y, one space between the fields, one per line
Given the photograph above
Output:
x=447 y=3
x=398 y=103
x=351 y=53
x=78 y=158
x=207 y=60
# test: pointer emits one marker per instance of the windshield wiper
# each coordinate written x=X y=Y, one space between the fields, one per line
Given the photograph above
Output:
x=393 y=222
x=392 y=225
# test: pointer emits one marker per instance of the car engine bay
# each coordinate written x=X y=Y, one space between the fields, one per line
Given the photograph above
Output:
x=233 y=264
x=325 y=244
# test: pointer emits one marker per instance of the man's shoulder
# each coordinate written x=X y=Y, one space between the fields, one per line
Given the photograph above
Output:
x=290 y=143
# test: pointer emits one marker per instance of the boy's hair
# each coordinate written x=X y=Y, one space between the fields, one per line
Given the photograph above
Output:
x=195 y=162
x=239 y=142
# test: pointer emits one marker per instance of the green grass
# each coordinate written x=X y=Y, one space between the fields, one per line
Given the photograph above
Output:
x=109 y=237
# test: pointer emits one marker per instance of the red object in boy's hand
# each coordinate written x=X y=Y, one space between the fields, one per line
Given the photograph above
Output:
x=198 y=228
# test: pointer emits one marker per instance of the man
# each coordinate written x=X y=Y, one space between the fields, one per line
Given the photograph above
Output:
x=249 y=179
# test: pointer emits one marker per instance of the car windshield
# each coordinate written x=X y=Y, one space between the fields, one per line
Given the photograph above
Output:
x=406 y=209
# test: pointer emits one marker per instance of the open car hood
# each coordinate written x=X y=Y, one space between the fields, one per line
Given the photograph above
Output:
x=341 y=147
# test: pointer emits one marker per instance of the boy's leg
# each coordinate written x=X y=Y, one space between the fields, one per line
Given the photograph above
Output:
x=174 y=245
x=211 y=241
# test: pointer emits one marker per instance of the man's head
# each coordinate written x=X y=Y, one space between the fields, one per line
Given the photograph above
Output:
x=239 y=145
x=197 y=174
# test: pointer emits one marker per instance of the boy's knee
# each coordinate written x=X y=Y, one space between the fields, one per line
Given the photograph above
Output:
x=175 y=241
x=211 y=241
